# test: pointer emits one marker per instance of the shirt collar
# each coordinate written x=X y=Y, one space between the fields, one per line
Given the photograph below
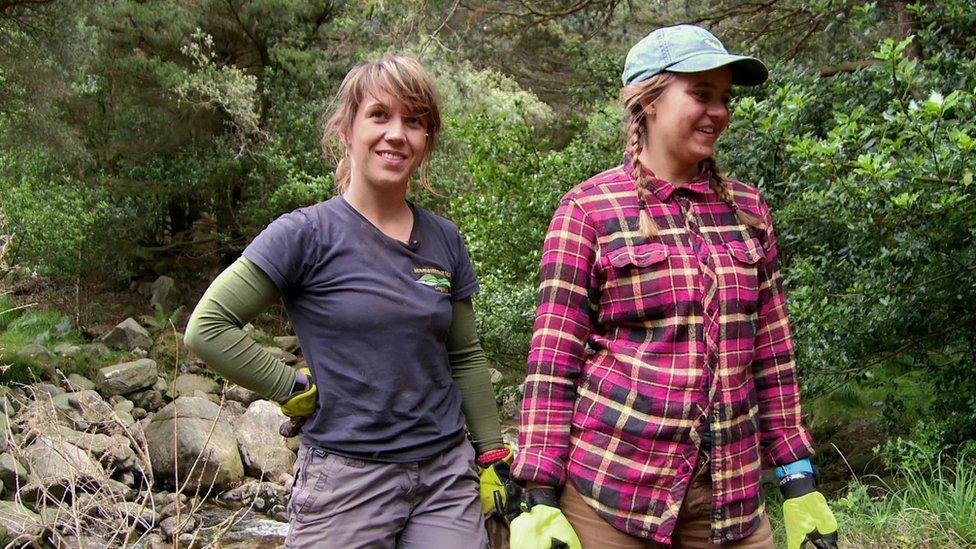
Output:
x=664 y=190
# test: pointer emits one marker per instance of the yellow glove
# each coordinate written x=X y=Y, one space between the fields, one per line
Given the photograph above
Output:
x=808 y=518
x=806 y=515
x=542 y=525
x=497 y=487
x=302 y=403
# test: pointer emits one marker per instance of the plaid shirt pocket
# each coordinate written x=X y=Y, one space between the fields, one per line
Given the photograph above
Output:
x=637 y=283
x=740 y=277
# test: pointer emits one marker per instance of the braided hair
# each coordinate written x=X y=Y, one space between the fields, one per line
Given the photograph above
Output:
x=635 y=97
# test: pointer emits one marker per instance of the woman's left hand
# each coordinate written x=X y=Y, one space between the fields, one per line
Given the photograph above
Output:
x=806 y=515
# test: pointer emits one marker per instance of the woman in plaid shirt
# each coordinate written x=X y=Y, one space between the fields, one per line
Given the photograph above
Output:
x=661 y=377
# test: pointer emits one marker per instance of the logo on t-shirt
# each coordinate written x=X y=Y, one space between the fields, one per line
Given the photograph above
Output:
x=435 y=278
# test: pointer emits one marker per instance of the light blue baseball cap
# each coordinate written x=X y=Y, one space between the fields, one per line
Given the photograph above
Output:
x=687 y=48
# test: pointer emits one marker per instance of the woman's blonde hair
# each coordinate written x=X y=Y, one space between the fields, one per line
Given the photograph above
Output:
x=403 y=78
x=634 y=98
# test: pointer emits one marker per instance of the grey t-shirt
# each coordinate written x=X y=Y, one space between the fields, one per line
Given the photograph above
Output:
x=372 y=315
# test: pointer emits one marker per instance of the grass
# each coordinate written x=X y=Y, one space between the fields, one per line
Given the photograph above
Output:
x=934 y=507
x=21 y=326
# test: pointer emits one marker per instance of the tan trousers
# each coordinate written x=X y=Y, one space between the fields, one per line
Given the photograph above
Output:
x=691 y=531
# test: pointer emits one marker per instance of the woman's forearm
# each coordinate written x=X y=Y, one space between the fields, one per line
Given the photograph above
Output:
x=469 y=368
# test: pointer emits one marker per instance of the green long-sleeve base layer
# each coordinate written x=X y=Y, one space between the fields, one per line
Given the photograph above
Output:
x=216 y=334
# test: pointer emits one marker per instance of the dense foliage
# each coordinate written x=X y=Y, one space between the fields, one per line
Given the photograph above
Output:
x=147 y=137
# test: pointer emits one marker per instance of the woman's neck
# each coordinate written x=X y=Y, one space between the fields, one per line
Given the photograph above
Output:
x=668 y=168
x=377 y=204
x=386 y=209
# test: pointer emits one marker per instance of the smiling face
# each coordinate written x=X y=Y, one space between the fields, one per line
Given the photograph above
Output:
x=386 y=142
x=685 y=121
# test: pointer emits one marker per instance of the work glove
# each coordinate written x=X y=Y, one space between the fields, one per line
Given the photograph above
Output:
x=499 y=492
x=302 y=402
x=806 y=514
x=542 y=525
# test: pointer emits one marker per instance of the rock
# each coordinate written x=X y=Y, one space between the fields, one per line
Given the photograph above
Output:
x=127 y=335
x=13 y=475
x=96 y=349
x=45 y=390
x=150 y=400
x=66 y=349
x=126 y=377
x=240 y=394
x=209 y=396
x=80 y=383
x=5 y=431
x=263 y=449
x=161 y=385
x=139 y=352
x=124 y=405
x=164 y=294
x=107 y=449
x=234 y=409
x=199 y=430
x=56 y=464
x=36 y=352
x=281 y=354
x=139 y=515
x=92 y=410
x=186 y=384
x=156 y=541
x=495 y=376
x=138 y=413
x=20 y=523
x=269 y=493
x=171 y=526
x=176 y=507
x=287 y=343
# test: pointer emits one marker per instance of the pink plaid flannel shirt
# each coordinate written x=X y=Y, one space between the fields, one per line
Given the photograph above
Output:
x=639 y=342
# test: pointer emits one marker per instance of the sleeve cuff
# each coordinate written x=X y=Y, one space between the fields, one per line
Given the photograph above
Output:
x=534 y=467
x=789 y=449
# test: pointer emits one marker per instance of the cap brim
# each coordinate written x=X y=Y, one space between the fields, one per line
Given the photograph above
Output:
x=746 y=71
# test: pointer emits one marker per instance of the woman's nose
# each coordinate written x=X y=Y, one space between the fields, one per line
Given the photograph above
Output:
x=394 y=131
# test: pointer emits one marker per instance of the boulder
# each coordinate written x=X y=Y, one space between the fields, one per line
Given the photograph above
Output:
x=127 y=335
x=186 y=384
x=198 y=429
x=107 y=449
x=35 y=351
x=126 y=377
x=13 y=475
x=20 y=523
x=78 y=382
x=141 y=516
x=66 y=349
x=56 y=464
x=163 y=293
x=240 y=394
x=149 y=400
x=287 y=343
x=264 y=450
x=99 y=350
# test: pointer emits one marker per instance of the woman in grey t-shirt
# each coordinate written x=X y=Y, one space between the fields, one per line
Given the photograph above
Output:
x=379 y=293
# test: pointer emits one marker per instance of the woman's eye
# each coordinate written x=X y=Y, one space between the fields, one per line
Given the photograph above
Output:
x=378 y=115
x=413 y=121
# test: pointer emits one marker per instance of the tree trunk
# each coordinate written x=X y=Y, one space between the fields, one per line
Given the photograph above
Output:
x=908 y=25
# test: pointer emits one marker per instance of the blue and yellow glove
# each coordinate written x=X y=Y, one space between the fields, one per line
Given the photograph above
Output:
x=542 y=525
x=806 y=515
x=499 y=492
